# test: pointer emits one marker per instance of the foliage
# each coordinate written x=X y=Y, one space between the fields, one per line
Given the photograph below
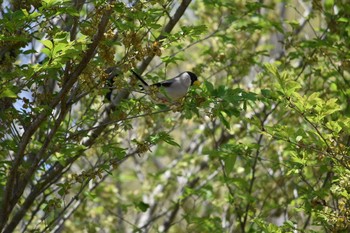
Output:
x=261 y=146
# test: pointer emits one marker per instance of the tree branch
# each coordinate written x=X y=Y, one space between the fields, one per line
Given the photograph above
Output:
x=12 y=191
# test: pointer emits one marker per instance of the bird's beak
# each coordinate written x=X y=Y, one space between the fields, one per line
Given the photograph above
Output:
x=197 y=83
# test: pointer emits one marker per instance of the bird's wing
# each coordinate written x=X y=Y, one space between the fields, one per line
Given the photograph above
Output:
x=166 y=83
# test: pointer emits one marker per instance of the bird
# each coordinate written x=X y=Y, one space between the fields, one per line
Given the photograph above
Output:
x=170 y=90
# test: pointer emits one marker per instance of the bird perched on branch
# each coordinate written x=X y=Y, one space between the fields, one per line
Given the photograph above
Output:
x=170 y=90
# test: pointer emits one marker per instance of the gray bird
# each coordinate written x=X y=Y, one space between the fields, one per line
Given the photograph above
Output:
x=170 y=90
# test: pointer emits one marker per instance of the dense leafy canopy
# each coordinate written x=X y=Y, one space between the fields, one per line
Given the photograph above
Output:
x=261 y=146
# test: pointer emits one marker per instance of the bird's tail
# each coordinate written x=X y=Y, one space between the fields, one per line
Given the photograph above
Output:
x=139 y=78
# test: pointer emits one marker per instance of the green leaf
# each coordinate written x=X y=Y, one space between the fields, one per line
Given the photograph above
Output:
x=155 y=26
x=171 y=59
x=272 y=69
x=230 y=161
x=331 y=106
x=343 y=20
x=209 y=86
x=49 y=3
x=221 y=91
x=47 y=43
x=90 y=195
x=266 y=93
x=142 y=206
x=222 y=115
x=334 y=126
x=249 y=96
x=58 y=48
x=8 y=93
x=194 y=30
x=166 y=138
x=289 y=223
x=163 y=136
x=29 y=51
x=47 y=52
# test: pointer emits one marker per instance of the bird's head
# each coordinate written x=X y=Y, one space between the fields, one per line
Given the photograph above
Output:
x=194 y=78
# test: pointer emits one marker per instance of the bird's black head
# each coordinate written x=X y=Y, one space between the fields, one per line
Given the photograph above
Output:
x=194 y=78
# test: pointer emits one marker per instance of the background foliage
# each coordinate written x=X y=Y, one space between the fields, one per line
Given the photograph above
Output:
x=261 y=146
